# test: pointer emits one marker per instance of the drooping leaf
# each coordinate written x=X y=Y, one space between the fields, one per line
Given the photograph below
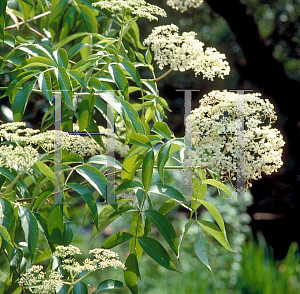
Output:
x=132 y=70
x=94 y=177
x=201 y=247
x=30 y=228
x=216 y=232
x=147 y=170
x=120 y=79
x=157 y=252
x=88 y=198
x=164 y=227
x=56 y=222
x=89 y=19
x=163 y=157
x=21 y=100
x=44 y=81
x=68 y=22
x=5 y=235
x=80 y=288
x=7 y=216
x=183 y=234
x=220 y=186
x=58 y=8
x=110 y=284
x=132 y=273
x=116 y=239
x=136 y=229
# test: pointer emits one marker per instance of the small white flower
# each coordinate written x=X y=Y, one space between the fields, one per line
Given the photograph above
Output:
x=185 y=52
x=183 y=5
x=139 y=8
x=213 y=125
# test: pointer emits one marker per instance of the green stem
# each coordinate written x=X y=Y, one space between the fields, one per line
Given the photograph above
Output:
x=11 y=185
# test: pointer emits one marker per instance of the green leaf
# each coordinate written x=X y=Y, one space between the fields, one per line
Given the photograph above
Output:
x=5 y=235
x=183 y=234
x=65 y=85
x=94 y=177
x=45 y=169
x=62 y=58
x=216 y=232
x=137 y=230
x=167 y=206
x=116 y=239
x=88 y=198
x=44 y=81
x=85 y=112
x=220 y=186
x=105 y=160
x=7 y=217
x=68 y=22
x=147 y=170
x=120 y=79
x=107 y=216
x=164 y=227
x=12 y=175
x=26 y=9
x=201 y=247
x=139 y=139
x=21 y=101
x=77 y=48
x=132 y=70
x=72 y=158
x=162 y=129
x=127 y=186
x=58 y=8
x=148 y=56
x=166 y=190
x=163 y=157
x=43 y=226
x=30 y=228
x=89 y=19
x=216 y=214
x=56 y=222
x=157 y=252
x=80 y=288
x=132 y=273
x=110 y=284
x=130 y=166
x=3 y=4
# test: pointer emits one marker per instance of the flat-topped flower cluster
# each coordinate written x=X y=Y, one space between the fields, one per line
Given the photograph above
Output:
x=140 y=8
x=185 y=52
x=40 y=283
x=214 y=127
x=183 y=5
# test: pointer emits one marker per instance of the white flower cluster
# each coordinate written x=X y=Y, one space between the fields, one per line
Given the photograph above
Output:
x=183 y=5
x=139 y=8
x=35 y=280
x=102 y=258
x=82 y=145
x=185 y=52
x=19 y=158
x=214 y=127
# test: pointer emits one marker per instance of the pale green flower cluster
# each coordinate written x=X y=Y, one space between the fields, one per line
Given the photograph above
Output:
x=213 y=125
x=19 y=158
x=185 y=52
x=35 y=279
x=183 y=5
x=139 y=8
x=39 y=283
x=82 y=145
x=102 y=258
